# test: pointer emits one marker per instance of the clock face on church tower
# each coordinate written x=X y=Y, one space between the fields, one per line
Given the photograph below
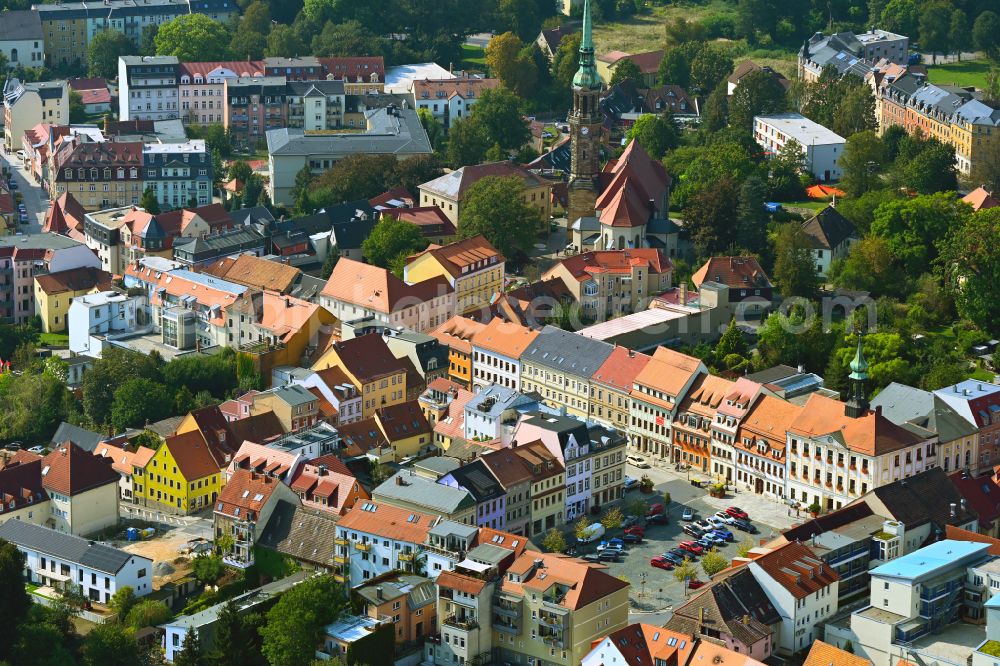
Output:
x=585 y=130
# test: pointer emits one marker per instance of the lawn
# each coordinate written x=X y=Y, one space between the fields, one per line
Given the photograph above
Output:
x=965 y=73
x=53 y=339
x=473 y=57
x=810 y=204
x=645 y=32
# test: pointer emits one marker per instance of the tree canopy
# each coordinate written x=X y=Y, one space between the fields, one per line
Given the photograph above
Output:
x=193 y=38
x=391 y=242
x=494 y=207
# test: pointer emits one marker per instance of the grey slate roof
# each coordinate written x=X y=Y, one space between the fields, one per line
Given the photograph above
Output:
x=85 y=439
x=301 y=533
x=311 y=88
x=905 y=404
x=20 y=25
x=390 y=132
x=477 y=479
x=828 y=229
x=419 y=591
x=66 y=546
x=567 y=352
x=494 y=400
x=417 y=491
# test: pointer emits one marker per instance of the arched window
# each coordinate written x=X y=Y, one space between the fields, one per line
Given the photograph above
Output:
x=13 y=55
x=621 y=242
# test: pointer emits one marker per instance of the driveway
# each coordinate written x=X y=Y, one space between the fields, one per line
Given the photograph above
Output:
x=34 y=197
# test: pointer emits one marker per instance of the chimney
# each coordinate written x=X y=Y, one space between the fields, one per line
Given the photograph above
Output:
x=378 y=592
x=683 y=298
x=399 y=482
x=321 y=470
x=954 y=513
x=963 y=503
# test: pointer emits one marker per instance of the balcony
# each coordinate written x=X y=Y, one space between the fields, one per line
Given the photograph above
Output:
x=340 y=542
x=506 y=627
x=506 y=608
x=239 y=117
x=551 y=622
x=464 y=623
x=339 y=577
x=406 y=556
x=363 y=546
x=341 y=558
x=554 y=640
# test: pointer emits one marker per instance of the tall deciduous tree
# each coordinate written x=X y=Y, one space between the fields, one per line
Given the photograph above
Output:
x=710 y=67
x=110 y=644
x=862 y=163
x=510 y=62
x=190 y=653
x=103 y=52
x=757 y=93
x=566 y=60
x=708 y=217
x=294 y=624
x=624 y=70
x=494 y=207
x=986 y=33
x=283 y=42
x=959 y=33
x=391 y=242
x=794 y=267
x=751 y=216
x=193 y=38
x=149 y=202
x=500 y=113
x=655 y=133
x=675 y=68
x=913 y=227
x=933 y=26
x=14 y=601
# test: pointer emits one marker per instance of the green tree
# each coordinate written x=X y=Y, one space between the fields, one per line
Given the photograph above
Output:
x=710 y=67
x=612 y=518
x=638 y=507
x=986 y=34
x=494 y=207
x=757 y=93
x=870 y=265
x=248 y=44
x=193 y=38
x=137 y=401
x=391 y=242
x=624 y=70
x=14 y=601
x=512 y=63
x=934 y=23
x=183 y=400
x=256 y=18
x=901 y=17
x=77 y=111
x=122 y=601
x=300 y=191
x=103 y=52
x=468 y=142
x=959 y=33
x=713 y=562
x=358 y=176
x=110 y=644
x=554 y=541
x=715 y=112
x=751 y=216
x=434 y=128
x=33 y=405
x=149 y=202
x=380 y=472
x=655 y=133
x=347 y=39
x=566 y=60
x=855 y=112
x=685 y=571
x=207 y=568
x=680 y=31
x=240 y=170
x=499 y=111
x=147 y=613
x=190 y=653
x=283 y=42
x=708 y=217
x=232 y=639
x=913 y=227
x=147 y=40
x=794 y=267
x=931 y=170
x=971 y=267
x=332 y=257
x=731 y=342
x=744 y=546
x=294 y=624
x=675 y=68
x=862 y=162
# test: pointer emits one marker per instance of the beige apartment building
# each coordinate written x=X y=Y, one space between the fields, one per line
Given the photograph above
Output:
x=447 y=191
x=201 y=88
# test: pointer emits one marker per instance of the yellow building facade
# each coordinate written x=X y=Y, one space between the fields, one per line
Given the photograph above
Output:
x=181 y=478
x=374 y=372
x=472 y=266
x=53 y=293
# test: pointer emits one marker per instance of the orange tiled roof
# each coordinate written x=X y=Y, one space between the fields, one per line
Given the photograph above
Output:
x=456 y=581
x=871 y=434
x=246 y=491
x=474 y=253
x=734 y=272
x=668 y=371
x=586 y=265
x=252 y=271
x=69 y=470
x=506 y=338
x=824 y=654
x=796 y=568
x=620 y=369
x=980 y=198
x=388 y=522
x=770 y=418
x=458 y=333
x=192 y=456
x=378 y=289
x=587 y=583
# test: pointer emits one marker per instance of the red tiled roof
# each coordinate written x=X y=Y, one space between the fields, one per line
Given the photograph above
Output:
x=19 y=483
x=388 y=522
x=402 y=421
x=824 y=654
x=192 y=456
x=99 y=96
x=246 y=491
x=797 y=568
x=367 y=357
x=397 y=193
x=584 y=266
x=69 y=470
x=456 y=581
x=431 y=219
x=620 y=369
x=354 y=67
x=587 y=583
x=982 y=493
x=958 y=534
x=74 y=279
x=87 y=84
x=734 y=272
x=475 y=252
x=980 y=198
x=378 y=289
x=239 y=67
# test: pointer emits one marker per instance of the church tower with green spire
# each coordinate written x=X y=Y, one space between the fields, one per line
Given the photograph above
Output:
x=585 y=128
x=857 y=405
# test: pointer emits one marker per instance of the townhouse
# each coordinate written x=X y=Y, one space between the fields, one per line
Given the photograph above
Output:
x=97 y=175
x=201 y=88
x=362 y=75
x=376 y=538
x=802 y=588
x=93 y=317
x=448 y=191
x=184 y=476
x=610 y=283
x=648 y=64
x=551 y=609
x=611 y=385
x=27 y=104
x=377 y=376
x=958 y=438
x=64 y=562
x=643 y=644
x=691 y=430
x=336 y=387
x=548 y=486
x=408 y=491
x=294 y=406
x=315 y=105
x=279 y=329
x=242 y=510
x=449 y=99
x=21 y=39
x=325 y=483
x=821 y=148
x=760 y=447
x=179 y=174
x=593 y=457
x=749 y=289
x=558 y=366
x=408 y=601
x=728 y=419
x=356 y=290
x=655 y=394
x=299 y=68
x=831 y=235
x=456 y=334
x=22 y=258
x=253 y=106
x=821 y=51
x=514 y=475
x=24 y=498
x=473 y=268
x=494 y=412
x=443 y=405
x=405 y=429
x=490 y=497
x=268 y=460
x=125 y=461
x=979 y=404
x=147 y=87
x=496 y=353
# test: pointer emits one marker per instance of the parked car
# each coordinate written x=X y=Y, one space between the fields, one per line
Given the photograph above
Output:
x=596 y=531
x=610 y=556
x=631 y=521
x=674 y=557
x=661 y=562
x=631 y=483
x=687 y=514
x=725 y=517
x=745 y=526
x=613 y=544
x=655 y=508
x=632 y=537
x=36 y=449
x=683 y=554
x=695 y=584
x=715 y=521
x=706 y=542
x=704 y=525
x=724 y=533
x=636 y=529
x=691 y=547
x=591 y=557
x=12 y=184
x=737 y=512
x=693 y=530
x=637 y=461
x=660 y=518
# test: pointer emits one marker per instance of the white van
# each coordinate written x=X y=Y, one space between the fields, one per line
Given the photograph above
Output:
x=596 y=532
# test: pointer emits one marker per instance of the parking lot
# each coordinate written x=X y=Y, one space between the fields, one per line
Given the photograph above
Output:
x=655 y=591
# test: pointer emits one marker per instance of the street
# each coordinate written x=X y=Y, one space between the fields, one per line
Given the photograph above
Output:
x=34 y=197
x=191 y=527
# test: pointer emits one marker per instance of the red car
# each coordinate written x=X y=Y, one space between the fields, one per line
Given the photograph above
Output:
x=695 y=584
x=637 y=530
x=691 y=547
x=737 y=512
x=661 y=563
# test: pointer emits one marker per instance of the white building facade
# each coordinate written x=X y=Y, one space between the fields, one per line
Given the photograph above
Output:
x=821 y=148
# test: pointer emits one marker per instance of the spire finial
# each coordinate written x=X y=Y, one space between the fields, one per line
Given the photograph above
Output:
x=587 y=76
